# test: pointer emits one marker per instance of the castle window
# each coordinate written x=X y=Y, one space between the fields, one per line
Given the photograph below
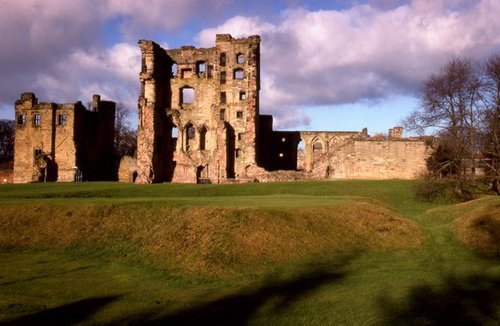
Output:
x=239 y=114
x=222 y=115
x=201 y=68
x=243 y=96
x=21 y=119
x=61 y=119
x=210 y=70
x=239 y=74
x=174 y=133
x=190 y=134
x=203 y=138
x=223 y=97
x=222 y=59
x=37 y=120
x=237 y=153
x=241 y=136
x=174 y=69
x=240 y=58
x=222 y=77
x=187 y=95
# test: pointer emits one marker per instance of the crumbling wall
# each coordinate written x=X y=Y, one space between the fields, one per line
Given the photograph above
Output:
x=375 y=159
x=56 y=142
x=127 y=171
x=198 y=111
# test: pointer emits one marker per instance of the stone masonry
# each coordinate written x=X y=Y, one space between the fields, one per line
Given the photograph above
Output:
x=63 y=142
x=199 y=121
x=198 y=111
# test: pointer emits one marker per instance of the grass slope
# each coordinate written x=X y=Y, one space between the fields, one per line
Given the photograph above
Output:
x=343 y=253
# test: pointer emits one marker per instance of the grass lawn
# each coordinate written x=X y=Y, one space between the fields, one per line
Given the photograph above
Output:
x=315 y=253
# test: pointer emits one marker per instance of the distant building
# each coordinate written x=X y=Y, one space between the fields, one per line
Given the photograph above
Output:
x=63 y=142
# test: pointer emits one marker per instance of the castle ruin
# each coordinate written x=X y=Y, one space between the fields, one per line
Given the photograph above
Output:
x=199 y=121
x=63 y=142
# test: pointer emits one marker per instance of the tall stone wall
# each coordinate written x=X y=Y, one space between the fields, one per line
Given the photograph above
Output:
x=198 y=111
x=374 y=159
x=57 y=142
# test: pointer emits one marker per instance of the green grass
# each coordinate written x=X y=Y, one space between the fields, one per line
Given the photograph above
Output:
x=337 y=275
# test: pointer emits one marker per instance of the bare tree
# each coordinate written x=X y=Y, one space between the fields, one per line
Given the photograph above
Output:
x=490 y=118
x=125 y=136
x=6 y=140
x=449 y=106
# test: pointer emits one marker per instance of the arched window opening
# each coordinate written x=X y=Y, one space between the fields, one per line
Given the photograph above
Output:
x=203 y=138
x=317 y=146
x=190 y=136
x=174 y=69
x=240 y=58
x=222 y=59
x=187 y=95
x=222 y=77
x=317 y=150
x=239 y=74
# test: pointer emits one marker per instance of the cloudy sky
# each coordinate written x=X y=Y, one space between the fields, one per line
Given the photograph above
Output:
x=326 y=65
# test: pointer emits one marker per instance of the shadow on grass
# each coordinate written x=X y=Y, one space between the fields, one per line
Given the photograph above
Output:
x=472 y=300
x=238 y=309
x=68 y=314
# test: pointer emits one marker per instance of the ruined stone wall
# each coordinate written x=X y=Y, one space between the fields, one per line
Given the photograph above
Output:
x=52 y=141
x=198 y=111
x=43 y=148
x=127 y=171
x=374 y=159
x=345 y=155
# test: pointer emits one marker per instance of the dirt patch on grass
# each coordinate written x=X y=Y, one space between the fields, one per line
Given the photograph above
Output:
x=209 y=239
x=480 y=229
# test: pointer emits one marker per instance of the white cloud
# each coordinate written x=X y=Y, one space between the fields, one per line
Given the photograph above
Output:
x=367 y=51
x=363 y=53
x=167 y=15
x=112 y=73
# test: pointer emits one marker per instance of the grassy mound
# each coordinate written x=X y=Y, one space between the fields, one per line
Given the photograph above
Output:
x=212 y=240
x=479 y=228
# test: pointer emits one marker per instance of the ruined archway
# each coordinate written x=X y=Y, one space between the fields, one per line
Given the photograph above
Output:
x=202 y=174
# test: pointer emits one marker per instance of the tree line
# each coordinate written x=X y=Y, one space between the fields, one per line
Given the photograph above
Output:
x=460 y=103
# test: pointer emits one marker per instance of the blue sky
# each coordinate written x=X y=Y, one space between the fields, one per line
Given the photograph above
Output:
x=326 y=65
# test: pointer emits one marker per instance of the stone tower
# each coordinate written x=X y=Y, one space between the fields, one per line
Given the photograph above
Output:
x=198 y=111
x=63 y=142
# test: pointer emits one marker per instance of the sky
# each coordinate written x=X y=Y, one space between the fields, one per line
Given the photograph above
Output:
x=325 y=65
